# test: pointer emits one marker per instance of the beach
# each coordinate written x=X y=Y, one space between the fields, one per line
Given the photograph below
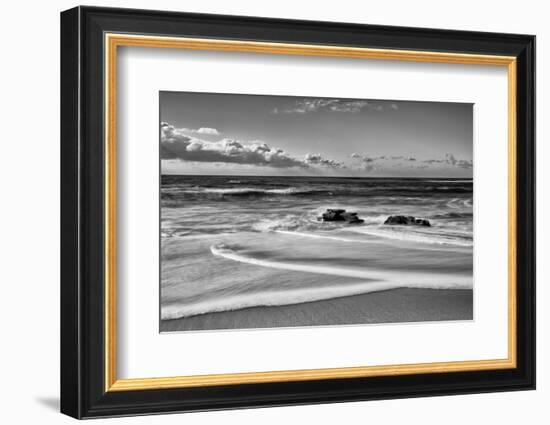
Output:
x=392 y=306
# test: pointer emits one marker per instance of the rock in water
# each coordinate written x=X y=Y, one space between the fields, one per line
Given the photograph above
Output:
x=340 y=215
x=333 y=215
x=352 y=217
x=406 y=220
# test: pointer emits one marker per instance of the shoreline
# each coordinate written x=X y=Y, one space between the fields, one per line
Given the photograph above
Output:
x=402 y=305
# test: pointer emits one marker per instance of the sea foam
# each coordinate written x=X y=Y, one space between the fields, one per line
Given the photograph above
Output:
x=400 y=234
x=407 y=279
x=372 y=281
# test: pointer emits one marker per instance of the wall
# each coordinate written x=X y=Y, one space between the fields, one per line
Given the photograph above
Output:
x=29 y=229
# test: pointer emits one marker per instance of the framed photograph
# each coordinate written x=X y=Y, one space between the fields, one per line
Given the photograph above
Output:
x=261 y=212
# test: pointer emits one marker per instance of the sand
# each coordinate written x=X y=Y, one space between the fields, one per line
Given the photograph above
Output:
x=392 y=306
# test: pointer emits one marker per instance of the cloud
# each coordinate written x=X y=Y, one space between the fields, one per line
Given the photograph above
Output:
x=450 y=159
x=317 y=159
x=370 y=159
x=367 y=163
x=305 y=106
x=462 y=163
x=401 y=158
x=207 y=130
x=203 y=130
x=372 y=162
x=176 y=144
x=366 y=158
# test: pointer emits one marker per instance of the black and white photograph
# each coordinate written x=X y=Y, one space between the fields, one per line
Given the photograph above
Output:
x=310 y=207
x=283 y=211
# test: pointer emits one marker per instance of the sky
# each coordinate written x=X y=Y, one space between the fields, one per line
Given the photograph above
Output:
x=235 y=134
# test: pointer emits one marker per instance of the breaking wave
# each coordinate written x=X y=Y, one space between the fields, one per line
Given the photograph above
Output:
x=406 y=279
x=318 y=236
x=398 y=233
x=271 y=298
x=251 y=191
x=373 y=280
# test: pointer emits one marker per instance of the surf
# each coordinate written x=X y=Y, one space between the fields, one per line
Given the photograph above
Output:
x=317 y=236
x=406 y=279
x=370 y=281
x=271 y=298
x=412 y=236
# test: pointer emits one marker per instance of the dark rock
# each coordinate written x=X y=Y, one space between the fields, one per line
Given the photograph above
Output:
x=333 y=215
x=352 y=218
x=406 y=220
x=340 y=215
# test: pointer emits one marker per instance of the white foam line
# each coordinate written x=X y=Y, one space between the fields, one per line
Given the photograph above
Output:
x=407 y=279
x=310 y=235
x=270 y=297
x=409 y=237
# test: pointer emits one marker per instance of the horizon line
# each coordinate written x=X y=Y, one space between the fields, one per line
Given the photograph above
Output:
x=346 y=177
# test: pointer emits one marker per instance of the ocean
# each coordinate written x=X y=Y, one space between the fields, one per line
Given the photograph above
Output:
x=236 y=242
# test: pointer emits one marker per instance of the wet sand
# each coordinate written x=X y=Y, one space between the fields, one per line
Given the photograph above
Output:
x=392 y=306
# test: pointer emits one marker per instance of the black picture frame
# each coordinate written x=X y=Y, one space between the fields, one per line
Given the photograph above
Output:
x=83 y=392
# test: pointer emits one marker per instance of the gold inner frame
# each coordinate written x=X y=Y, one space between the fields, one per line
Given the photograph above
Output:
x=113 y=41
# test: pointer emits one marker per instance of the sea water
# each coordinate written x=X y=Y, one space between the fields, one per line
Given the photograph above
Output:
x=232 y=242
